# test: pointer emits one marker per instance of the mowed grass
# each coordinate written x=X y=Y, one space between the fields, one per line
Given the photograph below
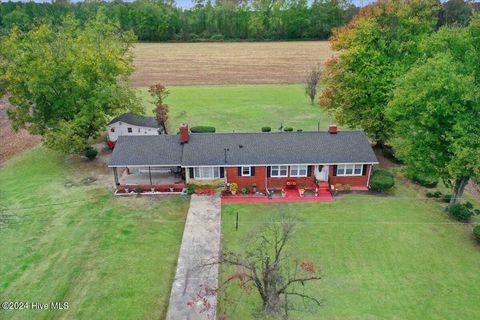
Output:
x=65 y=240
x=241 y=108
x=381 y=257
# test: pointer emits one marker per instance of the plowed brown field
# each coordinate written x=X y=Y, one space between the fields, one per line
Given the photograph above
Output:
x=227 y=63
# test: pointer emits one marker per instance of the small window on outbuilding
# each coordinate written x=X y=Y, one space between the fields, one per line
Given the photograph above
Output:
x=129 y=130
x=112 y=129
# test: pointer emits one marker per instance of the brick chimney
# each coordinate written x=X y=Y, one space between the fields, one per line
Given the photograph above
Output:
x=332 y=128
x=183 y=133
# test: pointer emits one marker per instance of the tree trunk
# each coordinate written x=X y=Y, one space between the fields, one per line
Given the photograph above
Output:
x=458 y=189
x=271 y=303
x=272 y=306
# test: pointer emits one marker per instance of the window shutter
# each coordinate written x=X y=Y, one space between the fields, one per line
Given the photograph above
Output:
x=365 y=167
x=222 y=172
x=268 y=171
x=239 y=171
x=252 y=171
x=309 y=171
x=335 y=170
x=191 y=173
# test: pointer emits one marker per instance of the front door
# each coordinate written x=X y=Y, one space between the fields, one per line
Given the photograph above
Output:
x=321 y=173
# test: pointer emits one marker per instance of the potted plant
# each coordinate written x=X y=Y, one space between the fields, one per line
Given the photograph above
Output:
x=245 y=190
x=301 y=189
x=172 y=187
x=152 y=190
x=254 y=187
x=284 y=193
x=338 y=186
x=233 y=188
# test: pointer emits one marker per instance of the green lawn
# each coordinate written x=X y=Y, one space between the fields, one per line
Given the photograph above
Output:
x=382 y=257
x=242 y=107
x=67 y=240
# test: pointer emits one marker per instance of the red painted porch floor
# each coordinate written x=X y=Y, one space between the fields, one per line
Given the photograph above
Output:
x=292 y=196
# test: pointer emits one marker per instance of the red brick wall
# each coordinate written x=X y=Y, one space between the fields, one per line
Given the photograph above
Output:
x=357 y=181
x=259 y=179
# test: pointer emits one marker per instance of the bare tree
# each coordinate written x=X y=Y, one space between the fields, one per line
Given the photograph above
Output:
x=160 y=92
x=267 y=267
x=311 y=83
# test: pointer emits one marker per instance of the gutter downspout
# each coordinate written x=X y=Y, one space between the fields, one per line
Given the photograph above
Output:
x=266 y=179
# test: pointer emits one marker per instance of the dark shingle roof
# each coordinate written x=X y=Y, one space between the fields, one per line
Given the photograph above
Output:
x=136 y=120
x=146 y=151
x=277 y=148
x=204 y=149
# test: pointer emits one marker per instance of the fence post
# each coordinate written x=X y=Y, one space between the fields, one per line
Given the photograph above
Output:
x=236 y=223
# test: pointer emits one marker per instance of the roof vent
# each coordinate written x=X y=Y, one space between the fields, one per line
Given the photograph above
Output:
x=332 y=128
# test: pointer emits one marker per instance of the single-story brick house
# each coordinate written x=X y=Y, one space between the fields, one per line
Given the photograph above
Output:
x=130 y=124
x=270 y=160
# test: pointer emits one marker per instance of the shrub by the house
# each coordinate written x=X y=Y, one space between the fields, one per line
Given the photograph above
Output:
x=266 y=129
x=91 y=153
x=202 y=129
x=476 y=232
x=381 y=180
x=288 y=129
x=191 y=188
x=463 y=212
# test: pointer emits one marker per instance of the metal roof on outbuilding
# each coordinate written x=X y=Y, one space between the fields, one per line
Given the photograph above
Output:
x=136 y=120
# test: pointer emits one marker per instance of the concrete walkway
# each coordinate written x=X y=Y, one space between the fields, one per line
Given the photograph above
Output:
x=190 y=298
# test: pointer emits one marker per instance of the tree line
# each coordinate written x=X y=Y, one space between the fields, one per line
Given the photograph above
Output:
x=408 y=74
x=156 y=20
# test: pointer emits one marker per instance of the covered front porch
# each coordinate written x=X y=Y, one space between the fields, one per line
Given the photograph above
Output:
x=149 y=180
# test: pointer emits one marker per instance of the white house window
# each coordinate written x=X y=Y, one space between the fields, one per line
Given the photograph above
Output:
x=112 y=129
x=298 y=171
x=357 y=170
x=138 y=129
x=349 y=169
x=205 y=173
x=279 y=171
x=246 y=171
x=129 y=130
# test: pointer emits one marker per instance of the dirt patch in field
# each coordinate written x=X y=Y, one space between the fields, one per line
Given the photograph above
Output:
x=13 y=142
x=227 y=63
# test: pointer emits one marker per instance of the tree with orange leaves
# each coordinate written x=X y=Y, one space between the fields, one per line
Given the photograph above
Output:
x=375 y=48
x=160 y=92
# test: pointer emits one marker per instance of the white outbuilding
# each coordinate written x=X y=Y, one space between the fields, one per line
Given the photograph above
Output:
x=129 y=124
